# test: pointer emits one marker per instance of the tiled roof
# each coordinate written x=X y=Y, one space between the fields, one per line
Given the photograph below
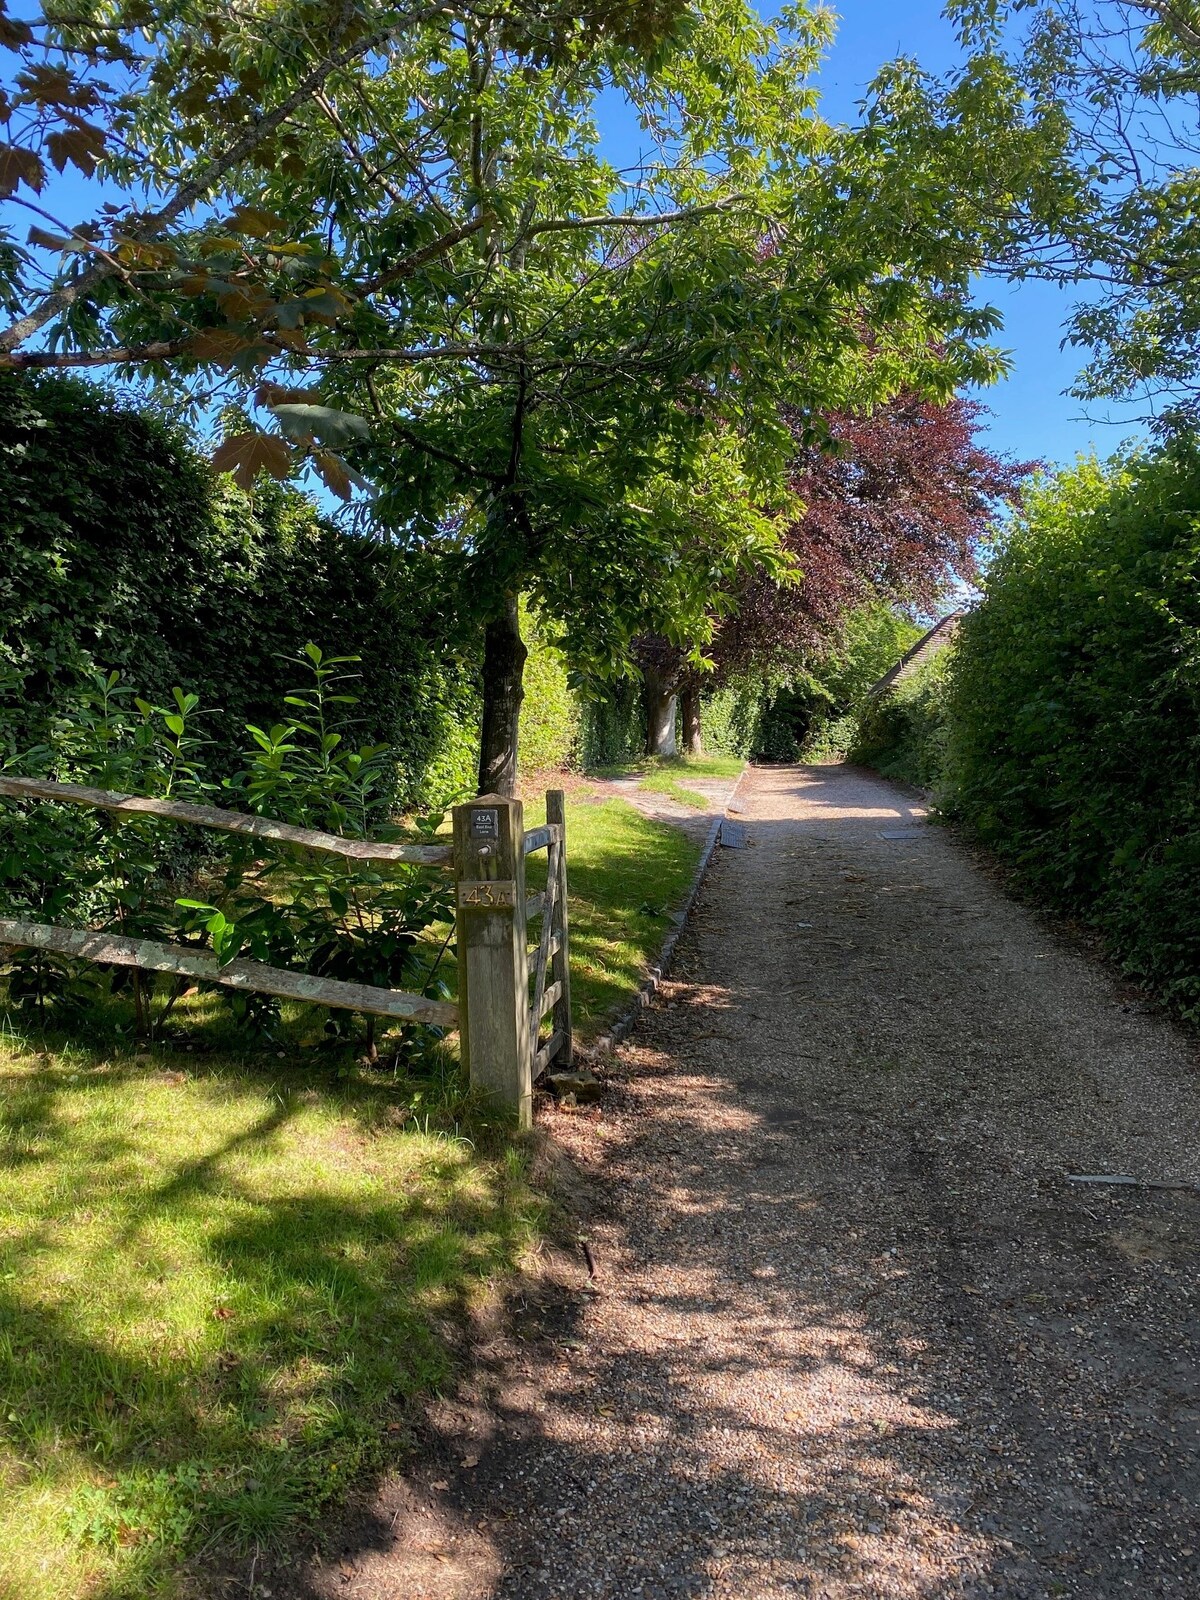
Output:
x=939 y=636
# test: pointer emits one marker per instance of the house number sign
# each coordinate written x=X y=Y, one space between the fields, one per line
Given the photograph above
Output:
x=501 y=892
x=485 y=823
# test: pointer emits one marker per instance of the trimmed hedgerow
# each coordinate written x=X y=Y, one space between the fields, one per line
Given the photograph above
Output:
x=1075 y=707
x=121 y=549
x=904 y=733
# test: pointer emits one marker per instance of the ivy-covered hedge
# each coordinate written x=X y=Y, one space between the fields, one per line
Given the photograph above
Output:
x=119 y=548
x=1075 y=706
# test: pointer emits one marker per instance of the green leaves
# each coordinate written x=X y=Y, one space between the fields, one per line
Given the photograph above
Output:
x=1076 y=701
x=305 y=422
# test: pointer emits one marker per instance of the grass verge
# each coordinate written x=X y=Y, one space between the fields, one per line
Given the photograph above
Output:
x=225 y=1275
x=222 y=1283
x=625 y=875
x=663 y=783
x=714 y=766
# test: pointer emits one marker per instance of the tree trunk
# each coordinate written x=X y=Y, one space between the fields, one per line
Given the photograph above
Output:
x=503 y=690
x=660 y=715
x=693 y=742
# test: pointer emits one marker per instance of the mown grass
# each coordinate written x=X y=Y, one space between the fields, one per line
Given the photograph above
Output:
x=709 y=766
x=226 y=1273
x=663 y=783
x=625 y=875
x=222 y=1282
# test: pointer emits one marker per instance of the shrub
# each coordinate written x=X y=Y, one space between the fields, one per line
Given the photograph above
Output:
x=121 y=550
x=550 y=714
x=729 y=718
x=809 y=714
x=143 y=878
x=904 y=733
x=1075 y=705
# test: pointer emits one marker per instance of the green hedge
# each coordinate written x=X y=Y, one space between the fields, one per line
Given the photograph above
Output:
x=1075 y=708
x=551 y=714
x=904 y=734
x=119 y=548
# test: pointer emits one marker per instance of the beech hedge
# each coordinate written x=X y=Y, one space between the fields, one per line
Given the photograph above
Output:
x=1074 y=707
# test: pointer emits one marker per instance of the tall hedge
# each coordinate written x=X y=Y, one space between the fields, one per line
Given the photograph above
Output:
x=1075 y=707
x=120 y=548
x=904 y=732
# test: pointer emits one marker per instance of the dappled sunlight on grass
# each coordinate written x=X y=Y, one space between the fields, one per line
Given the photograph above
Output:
x=626 y=874
x=219 y=1288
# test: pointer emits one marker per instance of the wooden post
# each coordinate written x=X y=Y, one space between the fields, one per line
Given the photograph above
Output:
x=493 y=982
x=556 y=811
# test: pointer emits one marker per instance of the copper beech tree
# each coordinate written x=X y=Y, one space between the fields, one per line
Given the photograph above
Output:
x=895 y=505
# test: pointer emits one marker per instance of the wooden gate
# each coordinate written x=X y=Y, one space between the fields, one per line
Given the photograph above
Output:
x=500 y=1025
x=500 y=1028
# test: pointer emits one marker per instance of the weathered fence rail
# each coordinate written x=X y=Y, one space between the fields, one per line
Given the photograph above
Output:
x=500 y=1023
x=216 y=817
x=151 y=956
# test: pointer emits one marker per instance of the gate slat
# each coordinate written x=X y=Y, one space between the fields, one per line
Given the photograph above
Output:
x=75 y=794
x=547 y=1053
x=555 y=947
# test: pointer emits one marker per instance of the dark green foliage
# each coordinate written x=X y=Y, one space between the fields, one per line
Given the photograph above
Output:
x=1075 y=750
x=809 y=715
x=903 y=734
x=144 y=877
x=120 y=549
x=612 y=730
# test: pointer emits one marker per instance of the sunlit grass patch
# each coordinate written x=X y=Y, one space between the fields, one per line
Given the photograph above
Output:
x=225 y=1274
x=219 y=1286
x=626 y=874
x=682 y=766
x=663 y=783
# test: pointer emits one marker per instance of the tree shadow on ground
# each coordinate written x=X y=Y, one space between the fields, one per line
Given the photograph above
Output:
x=220 y=1293
x=857 y=1335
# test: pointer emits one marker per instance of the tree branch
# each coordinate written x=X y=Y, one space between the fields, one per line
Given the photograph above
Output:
x=1170 y=17
x=419 y=258
x=161 y=350
x=636 y=220
x=197 y=187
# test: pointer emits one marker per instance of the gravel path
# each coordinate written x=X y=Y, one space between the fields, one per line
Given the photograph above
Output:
x=852 y=1332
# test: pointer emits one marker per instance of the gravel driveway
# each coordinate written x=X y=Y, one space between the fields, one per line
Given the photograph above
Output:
x=852 y=1332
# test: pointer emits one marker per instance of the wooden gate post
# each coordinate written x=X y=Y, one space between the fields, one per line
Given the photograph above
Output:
x=556 y=811
x=493 y=981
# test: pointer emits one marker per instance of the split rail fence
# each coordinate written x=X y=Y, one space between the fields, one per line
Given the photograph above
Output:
x=502 y=1025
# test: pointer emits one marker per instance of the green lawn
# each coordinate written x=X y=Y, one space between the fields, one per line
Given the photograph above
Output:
x=225 y=1273
x=714 y=766
x=664 y=783
x=220 y=1284
x=661 y=775
x=625 y=875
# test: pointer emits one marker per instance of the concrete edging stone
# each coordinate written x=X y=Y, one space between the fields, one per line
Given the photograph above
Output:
x=622 y=1027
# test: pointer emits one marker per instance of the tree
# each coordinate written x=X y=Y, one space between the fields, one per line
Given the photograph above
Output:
x=1123 y=75
x=389 y=235
x=894 y=505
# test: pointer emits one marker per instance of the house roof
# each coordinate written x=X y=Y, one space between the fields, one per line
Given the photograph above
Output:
x=929 y=645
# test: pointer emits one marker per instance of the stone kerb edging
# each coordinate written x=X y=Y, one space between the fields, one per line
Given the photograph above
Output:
x=621 y=1028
